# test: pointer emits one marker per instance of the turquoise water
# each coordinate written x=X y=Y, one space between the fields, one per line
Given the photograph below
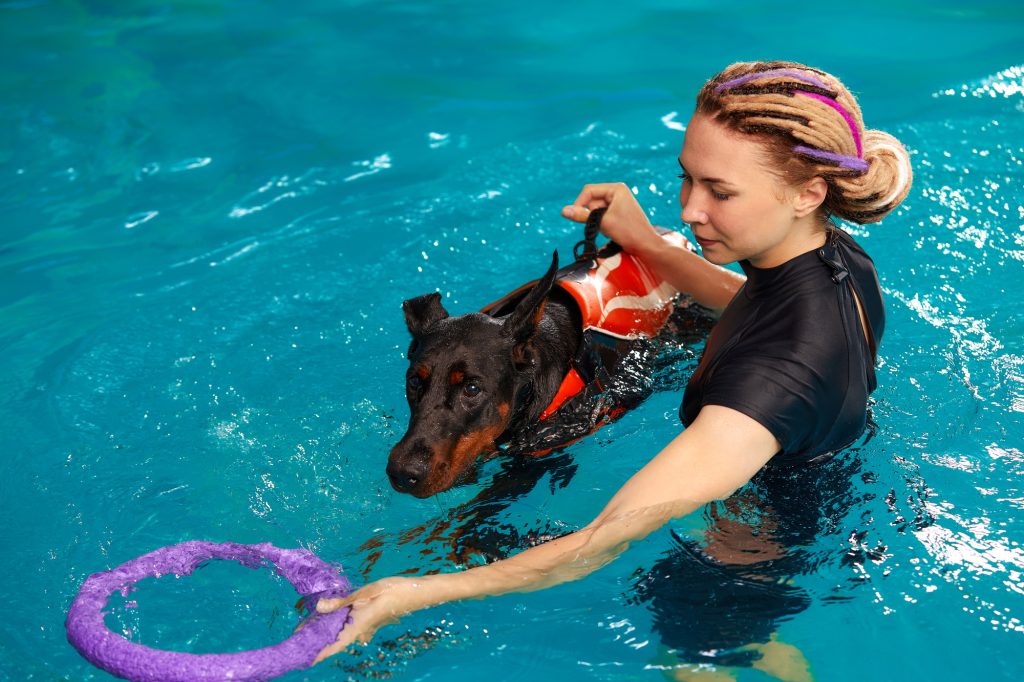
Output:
x=212 y=211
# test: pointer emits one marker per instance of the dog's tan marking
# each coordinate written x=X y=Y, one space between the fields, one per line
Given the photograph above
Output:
x=446 y=468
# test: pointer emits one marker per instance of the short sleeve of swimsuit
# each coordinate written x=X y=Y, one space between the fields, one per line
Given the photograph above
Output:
x=790 y=350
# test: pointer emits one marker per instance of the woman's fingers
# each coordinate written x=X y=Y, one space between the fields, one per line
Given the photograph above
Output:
x=361 y=628
x=600 y=195
x=355 y=633
x=373 y=606
x=328 y=605
x=363 y=595
x=577 y=214
x=335 y=648
x=625 y=221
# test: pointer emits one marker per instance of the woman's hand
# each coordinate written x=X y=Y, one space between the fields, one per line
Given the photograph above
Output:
x=624 y=222
x=373 y=606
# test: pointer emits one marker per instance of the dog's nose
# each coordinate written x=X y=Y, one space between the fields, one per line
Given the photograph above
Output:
x=404 y=477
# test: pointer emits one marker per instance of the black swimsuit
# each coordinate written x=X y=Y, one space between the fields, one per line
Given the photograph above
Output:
x=789 y=350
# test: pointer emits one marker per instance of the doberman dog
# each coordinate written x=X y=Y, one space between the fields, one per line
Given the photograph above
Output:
x=528 y=372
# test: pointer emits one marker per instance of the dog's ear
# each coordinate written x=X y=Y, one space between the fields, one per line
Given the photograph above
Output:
x=522 y=324
x=422 y=312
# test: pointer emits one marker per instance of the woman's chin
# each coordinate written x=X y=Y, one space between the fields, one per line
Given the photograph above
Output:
x=718 y=255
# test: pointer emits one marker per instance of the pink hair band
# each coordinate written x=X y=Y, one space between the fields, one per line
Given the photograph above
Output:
x=842 y=112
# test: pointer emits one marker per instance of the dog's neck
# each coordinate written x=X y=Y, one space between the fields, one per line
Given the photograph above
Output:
x=555 y=344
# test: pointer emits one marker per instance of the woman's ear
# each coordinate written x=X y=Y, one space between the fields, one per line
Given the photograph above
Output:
x=810 y=196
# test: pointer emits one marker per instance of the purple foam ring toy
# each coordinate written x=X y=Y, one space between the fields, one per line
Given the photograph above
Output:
x=311 y=578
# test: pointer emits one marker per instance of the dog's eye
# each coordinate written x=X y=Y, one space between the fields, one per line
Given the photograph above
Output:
x=414 y=383
x=471 y=389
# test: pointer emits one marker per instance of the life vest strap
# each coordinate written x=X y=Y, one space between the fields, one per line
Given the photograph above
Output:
x=571 y=386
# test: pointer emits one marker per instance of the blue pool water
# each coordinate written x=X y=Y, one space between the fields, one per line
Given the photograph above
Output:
x=212 y=211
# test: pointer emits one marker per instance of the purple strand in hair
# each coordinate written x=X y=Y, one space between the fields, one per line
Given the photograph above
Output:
x=789 y=73
x=856 y=163
x=844 y=160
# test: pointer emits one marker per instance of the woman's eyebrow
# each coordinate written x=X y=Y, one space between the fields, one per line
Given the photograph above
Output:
x=717 y=181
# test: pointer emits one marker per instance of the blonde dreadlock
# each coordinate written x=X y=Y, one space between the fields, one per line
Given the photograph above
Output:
x=811 y=126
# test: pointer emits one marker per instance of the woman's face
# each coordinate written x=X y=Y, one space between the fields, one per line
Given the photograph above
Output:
x=736 y=207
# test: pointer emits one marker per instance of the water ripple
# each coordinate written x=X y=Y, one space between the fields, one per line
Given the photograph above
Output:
x=279 y=189
x=376 y=165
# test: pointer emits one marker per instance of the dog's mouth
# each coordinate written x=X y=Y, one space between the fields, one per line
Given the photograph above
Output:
x=439 y=478
x=422 y=470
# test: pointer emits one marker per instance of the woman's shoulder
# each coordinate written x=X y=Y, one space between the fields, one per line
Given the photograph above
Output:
x=854 y=256
x=865 y=281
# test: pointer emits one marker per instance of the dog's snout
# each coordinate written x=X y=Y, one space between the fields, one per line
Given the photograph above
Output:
x=405 y=476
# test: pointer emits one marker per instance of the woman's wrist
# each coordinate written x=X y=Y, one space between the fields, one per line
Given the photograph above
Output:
x=432 y=590
x=644 y=243
x=672 y=261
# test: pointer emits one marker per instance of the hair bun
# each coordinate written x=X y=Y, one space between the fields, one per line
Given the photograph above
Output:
x=870 y=196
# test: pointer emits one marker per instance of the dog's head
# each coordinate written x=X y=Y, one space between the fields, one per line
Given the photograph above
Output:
x=461 y=385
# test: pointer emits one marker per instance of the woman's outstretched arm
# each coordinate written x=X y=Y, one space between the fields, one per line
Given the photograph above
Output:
x=717 y=454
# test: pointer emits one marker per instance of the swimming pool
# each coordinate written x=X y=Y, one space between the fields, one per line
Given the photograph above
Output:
x=212 y=212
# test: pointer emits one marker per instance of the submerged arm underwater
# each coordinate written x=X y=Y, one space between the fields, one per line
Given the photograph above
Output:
x=717 y=454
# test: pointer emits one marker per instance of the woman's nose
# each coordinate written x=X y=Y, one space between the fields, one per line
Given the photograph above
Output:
x=692 y=213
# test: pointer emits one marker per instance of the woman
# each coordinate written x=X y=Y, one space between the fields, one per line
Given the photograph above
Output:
x=773 y=150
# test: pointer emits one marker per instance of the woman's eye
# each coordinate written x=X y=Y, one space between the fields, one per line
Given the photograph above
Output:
x=717 y=195
x=471 y=390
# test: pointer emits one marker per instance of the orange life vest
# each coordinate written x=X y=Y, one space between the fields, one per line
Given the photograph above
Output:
x=618 y=295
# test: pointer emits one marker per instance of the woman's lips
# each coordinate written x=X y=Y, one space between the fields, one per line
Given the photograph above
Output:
x=705 y=243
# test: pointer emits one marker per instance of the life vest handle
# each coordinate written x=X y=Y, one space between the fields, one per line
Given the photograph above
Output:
x=587 y=249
